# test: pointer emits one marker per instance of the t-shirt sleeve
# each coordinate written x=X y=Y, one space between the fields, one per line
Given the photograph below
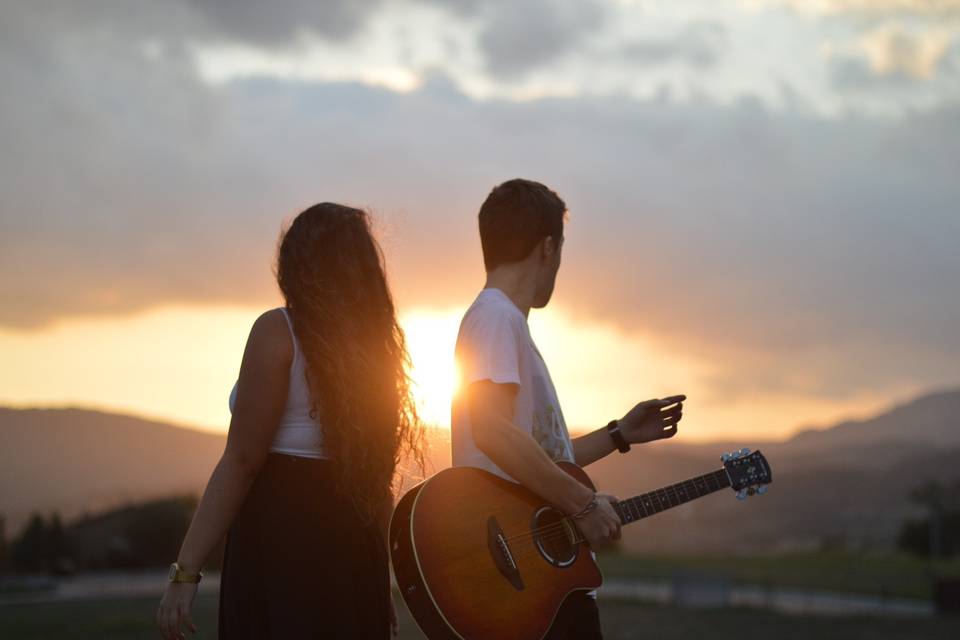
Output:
x=489 y=348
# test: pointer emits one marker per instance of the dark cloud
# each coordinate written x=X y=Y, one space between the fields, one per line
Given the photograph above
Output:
x=518 y=37
x=700 y=43
x=793 y=251
x=107 y=178
x=278 y=22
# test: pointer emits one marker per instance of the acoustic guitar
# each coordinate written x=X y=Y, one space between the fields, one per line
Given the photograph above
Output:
x=477 y=556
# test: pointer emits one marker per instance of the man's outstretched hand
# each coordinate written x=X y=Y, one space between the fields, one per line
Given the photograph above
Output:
x=652 y=420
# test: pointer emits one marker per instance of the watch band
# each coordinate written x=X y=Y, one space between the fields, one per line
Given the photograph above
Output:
x=613 y=428
x=177 y=574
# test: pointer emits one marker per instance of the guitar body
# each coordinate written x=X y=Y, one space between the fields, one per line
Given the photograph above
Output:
x=477 y=556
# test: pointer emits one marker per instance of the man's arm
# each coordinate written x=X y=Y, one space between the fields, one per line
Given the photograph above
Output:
x=648 y=421
x=593 y=446
x=518 y=454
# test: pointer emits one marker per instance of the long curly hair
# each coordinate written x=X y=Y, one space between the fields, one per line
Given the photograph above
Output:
x=331 y=273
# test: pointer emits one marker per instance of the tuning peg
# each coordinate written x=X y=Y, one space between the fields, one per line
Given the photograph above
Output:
x=743 y=452
x=762 y=489
x=742 y=494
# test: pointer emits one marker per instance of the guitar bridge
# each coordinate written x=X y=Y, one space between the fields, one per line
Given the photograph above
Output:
x=502 y=557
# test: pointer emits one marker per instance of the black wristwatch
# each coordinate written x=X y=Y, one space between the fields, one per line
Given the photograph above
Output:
x=613 y=428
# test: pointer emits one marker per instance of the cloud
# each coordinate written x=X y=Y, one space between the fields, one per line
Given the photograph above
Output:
x=868 y=7
x=906 y=65
x=793 y=251
x=699 y=43
x=518 y=37
x=279 y=22
x=894 y=50
x=514 y=37
x=111 y=148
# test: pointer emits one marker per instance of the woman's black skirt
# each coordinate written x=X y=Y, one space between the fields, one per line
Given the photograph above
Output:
x=299 y=563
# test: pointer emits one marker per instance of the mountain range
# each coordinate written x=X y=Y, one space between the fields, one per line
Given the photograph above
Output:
x=844 y=485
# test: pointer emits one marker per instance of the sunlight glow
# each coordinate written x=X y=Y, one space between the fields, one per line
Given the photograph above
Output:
x=431 y=337
x=178 y=364
x=218 y=65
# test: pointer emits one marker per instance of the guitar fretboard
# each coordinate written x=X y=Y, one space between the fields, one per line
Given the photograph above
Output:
x=648 y=504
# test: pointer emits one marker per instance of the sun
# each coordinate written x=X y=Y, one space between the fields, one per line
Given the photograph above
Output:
x=431 y=338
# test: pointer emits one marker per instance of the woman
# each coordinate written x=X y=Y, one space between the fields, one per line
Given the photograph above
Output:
x=322 y=412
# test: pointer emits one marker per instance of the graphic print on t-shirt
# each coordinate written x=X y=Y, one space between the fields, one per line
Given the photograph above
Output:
x=547 y=428
x=494 y=344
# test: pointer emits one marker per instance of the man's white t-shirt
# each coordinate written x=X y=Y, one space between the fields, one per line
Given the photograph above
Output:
x=494 y=344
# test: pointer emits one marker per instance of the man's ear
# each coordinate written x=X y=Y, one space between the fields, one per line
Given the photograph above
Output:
x=548 y=247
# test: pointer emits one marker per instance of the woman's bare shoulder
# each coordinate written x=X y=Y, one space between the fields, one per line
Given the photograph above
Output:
x=270 y=336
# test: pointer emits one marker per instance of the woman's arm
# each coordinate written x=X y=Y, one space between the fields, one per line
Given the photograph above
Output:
x=261 y=398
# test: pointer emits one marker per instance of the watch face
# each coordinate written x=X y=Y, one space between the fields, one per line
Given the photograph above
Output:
x=173 y=571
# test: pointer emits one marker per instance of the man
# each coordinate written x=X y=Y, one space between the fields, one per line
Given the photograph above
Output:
x=507 y=419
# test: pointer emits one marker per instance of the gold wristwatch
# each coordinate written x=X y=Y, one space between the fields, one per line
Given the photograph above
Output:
x=177 y=574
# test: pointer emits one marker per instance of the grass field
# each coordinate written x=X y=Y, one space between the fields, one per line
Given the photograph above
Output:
x=896 y=575
x=893 y=575
x=132 y=619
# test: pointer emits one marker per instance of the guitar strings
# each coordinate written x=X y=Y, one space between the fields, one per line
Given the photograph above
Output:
x=559 y=532
x=670 y=492
x=556 y=527
x=553 y=528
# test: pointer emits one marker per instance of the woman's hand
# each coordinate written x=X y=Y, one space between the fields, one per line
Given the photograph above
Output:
x=175 y=610
x=652 y=420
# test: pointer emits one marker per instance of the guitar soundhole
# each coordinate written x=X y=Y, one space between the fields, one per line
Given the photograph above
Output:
x=552 y=537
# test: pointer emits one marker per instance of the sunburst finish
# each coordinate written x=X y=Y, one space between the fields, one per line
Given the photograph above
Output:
x=443 y=562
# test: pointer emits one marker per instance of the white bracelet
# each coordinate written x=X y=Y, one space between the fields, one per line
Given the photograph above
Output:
x=590 y=506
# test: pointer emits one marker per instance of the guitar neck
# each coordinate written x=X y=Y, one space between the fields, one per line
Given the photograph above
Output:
x=674 y=495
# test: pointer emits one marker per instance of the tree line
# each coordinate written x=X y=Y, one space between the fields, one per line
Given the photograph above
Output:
x=141 y=535
x=148 y=535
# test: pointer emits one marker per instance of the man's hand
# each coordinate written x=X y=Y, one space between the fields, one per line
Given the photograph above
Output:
x=652 y=420
x=601 y=525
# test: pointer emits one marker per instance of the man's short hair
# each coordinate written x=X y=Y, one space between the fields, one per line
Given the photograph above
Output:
x=515 y=217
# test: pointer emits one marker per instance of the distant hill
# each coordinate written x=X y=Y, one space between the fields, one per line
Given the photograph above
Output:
x=77 y=461
x=911 y=429
x=931 y=421
x=844 y=484
x=73 y=460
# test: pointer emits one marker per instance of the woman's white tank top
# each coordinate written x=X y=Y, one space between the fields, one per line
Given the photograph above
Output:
x=298 y=434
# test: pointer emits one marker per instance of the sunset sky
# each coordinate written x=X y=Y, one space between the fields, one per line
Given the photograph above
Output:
x=764 y=195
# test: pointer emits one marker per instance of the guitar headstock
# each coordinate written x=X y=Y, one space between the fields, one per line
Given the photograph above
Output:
x=749 y=473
